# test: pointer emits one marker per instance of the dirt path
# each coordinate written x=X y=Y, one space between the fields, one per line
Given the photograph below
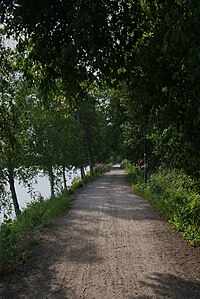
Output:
x=112 y=244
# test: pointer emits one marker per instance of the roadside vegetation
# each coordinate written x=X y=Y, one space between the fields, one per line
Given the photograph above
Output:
x=18 y=236
x=174 y=194
x=98 y=170
x=110 y=74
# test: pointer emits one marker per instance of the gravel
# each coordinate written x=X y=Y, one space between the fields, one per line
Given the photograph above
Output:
x=111 y=244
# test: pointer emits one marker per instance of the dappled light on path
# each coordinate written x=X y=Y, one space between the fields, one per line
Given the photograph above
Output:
x=112 y=244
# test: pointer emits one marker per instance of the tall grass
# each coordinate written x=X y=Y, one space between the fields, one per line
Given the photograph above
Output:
x=176 y=195
x=17 y=236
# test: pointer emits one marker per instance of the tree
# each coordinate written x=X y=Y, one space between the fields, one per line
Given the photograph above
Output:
x=69 y=148
x=13 y=123
x=152 y=46
x=81 y=41
x=94 y=124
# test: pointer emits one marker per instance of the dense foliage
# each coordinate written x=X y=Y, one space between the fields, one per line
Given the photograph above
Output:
x=174 y=194
x=163 y=87
x=150 y=47
x=79 y=39
x=87 y=77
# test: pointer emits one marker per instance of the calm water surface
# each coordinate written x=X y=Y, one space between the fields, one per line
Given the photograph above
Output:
x=41 y=188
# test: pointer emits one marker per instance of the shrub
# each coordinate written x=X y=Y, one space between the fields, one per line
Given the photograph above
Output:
x=101 y=168
x=17 y=235
x=76 y=183
x=134 y=174
x=124 y=164
x=98 y=169
x=172 y=192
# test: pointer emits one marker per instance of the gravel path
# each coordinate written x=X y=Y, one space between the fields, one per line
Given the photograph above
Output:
x=112 y=244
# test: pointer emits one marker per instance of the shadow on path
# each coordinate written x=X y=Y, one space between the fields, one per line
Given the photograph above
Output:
x=170 y=286
x=118 y=199
x=73 y=247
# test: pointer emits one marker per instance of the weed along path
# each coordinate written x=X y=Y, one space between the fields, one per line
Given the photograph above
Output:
x=112 y=244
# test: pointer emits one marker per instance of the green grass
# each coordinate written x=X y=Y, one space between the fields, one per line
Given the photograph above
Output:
x=98 y=170
x=17 y=236
x=78 y=183
x=173 y=193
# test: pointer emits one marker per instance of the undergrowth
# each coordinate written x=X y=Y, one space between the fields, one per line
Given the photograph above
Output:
x=173 y=193
x=98 y=170
x=17 y=236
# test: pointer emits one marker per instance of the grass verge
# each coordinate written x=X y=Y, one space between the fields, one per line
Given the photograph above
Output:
x=175 y=195
x=98 y=170
x=18 y=236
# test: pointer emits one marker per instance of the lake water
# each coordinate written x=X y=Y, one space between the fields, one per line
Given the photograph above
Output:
x=41 y=188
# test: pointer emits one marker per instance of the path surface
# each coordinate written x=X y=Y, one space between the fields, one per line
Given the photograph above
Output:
x=112 y=244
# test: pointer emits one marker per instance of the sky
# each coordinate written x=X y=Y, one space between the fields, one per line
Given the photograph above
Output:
x=9 y=42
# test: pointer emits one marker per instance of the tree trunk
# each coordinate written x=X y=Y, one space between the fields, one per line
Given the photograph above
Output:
x=64 y=178
x=51 y=180
x=82 y=172
x=12 y=190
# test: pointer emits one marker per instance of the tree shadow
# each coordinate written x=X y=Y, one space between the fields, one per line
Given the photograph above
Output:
x=112 y=195
x=72 y=240
x=43 y=275
x=170 y=286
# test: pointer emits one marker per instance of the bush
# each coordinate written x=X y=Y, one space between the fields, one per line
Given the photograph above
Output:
x=172 y=192
x=17 y=235
x=101 y=168
x=124 y=164
x=76 y=184
x=98 y=170
x=134 y=173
